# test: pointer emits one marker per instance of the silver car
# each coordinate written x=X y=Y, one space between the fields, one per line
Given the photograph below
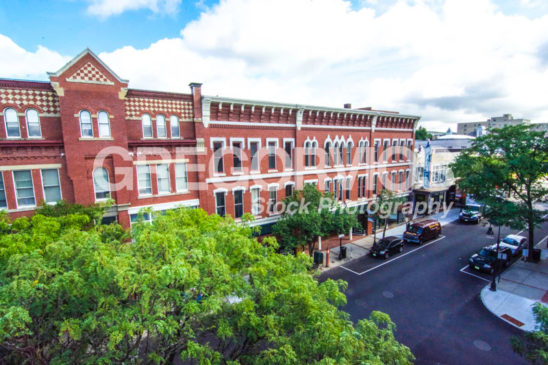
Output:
x=515 y=243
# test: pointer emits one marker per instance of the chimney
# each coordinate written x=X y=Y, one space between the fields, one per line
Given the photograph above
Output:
x=196 y=89
x=348 y=106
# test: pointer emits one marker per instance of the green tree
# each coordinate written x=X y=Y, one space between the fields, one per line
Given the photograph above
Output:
x=189 y=285
x=507 y=164
x=534 y=345
x=421 y=134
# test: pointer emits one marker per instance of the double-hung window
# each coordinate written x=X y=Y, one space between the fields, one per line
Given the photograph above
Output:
x=349 y=147
x=288 y=190
x=394 y=150
x=174 y=124
x=218 y=148
x=147 y=126
x=161 y=130
x=385 y=150
x=33 y=123
x=237 y=155
x=181 y=179
x=375 y=184
x=101 y=183
x=288 y=148
x=376 y=150
x=12 y=123
x=272 y=199
x=238 y=203
x=51 y=185
x=253 y=153
x=104 y=124
x=255 y=201
x=220 y=203
x=143 y=180
x=162 y=177
x=393 y=181
x=24 y=188
x=3 y=201
x=327 y=186
x=272 y=155
x=86 y=128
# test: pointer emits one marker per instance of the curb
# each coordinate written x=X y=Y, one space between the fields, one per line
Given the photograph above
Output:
x=496 y=315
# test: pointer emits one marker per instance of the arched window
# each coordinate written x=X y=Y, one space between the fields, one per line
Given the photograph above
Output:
x=307 y=154
x=147 y=126
x=86 y=129
x=12 y=123
x=327 y=153
x=33 y=123
x=349 y=153
x=174 y=124
x=104 y=124
x=364 y=151
x=341 y=153
x=313 y=154
x=101 y=183
x=335 y=153
x=161 y=131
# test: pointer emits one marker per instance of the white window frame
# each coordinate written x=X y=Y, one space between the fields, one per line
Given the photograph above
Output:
x=163 y=117
x=6 y=123
x=222 y=191
x=149 y=179
x=292 y=156
x=258 y=141
x=255 y=205
x=330 y=181
x=44 y=187
x=241 y=141
x=171 y=117
x=28 y=124
x=393 y=177
x=168 y=179
x=395 y=150
x=234 y=190
x=107 y=124
x=17 y=195
x=143 y=125
x=409 y=149
x=376 y=149
x=349 y=147
x=90 y=123
x=401 y=155
x=212 y=142
x=184 y=164
x=385 y=150
x=3 y=190
x=327 y=150
x=94 y=187
x=272 y=188
x=286 y=184
x=276 y=141
x=376 y=184
x=348 y=188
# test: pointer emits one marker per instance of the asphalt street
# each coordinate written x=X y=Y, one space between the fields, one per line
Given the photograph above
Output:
x=434 y=299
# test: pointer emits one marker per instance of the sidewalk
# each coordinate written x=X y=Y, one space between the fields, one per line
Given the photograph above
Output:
x=520 y=287
x=360 y=245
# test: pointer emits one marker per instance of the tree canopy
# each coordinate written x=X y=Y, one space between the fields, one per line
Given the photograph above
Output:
x=504 y=170
x=188 y=285
x=421 y=134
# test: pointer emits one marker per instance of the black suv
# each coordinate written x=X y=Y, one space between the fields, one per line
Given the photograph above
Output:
x=485 y=259
x=387 y=246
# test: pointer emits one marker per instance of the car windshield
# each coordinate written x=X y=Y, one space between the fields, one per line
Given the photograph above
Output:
x=510 y=241
x=472 y=208
x=382 y=243
x=487 y=253
x=415 y=229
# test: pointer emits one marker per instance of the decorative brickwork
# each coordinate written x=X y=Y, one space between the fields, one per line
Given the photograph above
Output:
x=46 y=100
x=135 y=107
x=90 y=73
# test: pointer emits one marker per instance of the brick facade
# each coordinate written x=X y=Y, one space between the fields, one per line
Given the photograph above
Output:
x=158 y=148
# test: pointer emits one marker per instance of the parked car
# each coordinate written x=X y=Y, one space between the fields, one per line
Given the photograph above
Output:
x=470 y=213
x=515 y=243
x=420 y=232
x=387 y=246
x=486 y=258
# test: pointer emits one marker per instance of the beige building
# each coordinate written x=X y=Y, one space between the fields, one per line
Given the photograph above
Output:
x=470 y=128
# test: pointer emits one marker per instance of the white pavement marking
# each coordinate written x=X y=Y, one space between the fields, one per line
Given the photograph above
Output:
x=469 y=273
x=394 y=259
x=538 y=243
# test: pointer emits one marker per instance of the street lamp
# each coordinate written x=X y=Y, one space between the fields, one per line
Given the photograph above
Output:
x=341 y=236
x=497 y=265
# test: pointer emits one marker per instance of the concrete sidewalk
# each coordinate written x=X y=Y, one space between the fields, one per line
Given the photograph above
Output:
x=360 y=247
x=520 y=287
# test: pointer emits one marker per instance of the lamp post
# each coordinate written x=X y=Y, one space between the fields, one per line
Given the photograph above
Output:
x=497 y=265
x=340 y=246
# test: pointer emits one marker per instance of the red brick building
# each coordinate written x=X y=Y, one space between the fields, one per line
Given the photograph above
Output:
x=85 y=137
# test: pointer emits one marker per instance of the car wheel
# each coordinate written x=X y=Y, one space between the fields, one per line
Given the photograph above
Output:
x=401 y=248
x=386 y=255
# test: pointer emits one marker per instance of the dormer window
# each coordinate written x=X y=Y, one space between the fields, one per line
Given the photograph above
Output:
x=12 y=123
x=104 y=124
x=86 y=129
x=33 y=124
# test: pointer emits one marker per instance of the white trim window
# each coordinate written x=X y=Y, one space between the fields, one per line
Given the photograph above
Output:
x=24 y=188
x=409 y=149
x=218 y=152
x=383 y=180
x=327 y=147
x=394 y=150
x=327 y=186
x=104 y=124
x=161 y=130
x=376 y=149
x=406 y=182
x=349 y=147
x=237 y=147
x=341 y=153
x=11 y=122
x=348 y=187
x=272 y=146
x=238 y=203
x=143 y=180
x=3 y=201
x=335 y=153
x=400 y=184
x=254 y=147
x=220 y=203
x=255 y=201
x=289 y=188
x=288 y=149
x=174 y=125
x=146 y=123
x=272 y=199
x=362 y=186
x=162 y=178
x=402 y=148
x=375 y=184
x=393 y=181
x=419 y=174
x=385 y=145
x=33 y=123
x=181 y=177
x=51 y=185
x=86 y=127
x=101 y=183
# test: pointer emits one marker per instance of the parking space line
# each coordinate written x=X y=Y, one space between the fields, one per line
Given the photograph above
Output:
x=394 y=259
x=539 y=242
x=469 y=273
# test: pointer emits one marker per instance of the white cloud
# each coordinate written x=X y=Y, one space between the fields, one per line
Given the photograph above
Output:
x=21 y=64
x=446 y=60
x=106 y=8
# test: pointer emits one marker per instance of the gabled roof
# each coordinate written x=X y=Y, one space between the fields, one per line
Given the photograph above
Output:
x=77 y=58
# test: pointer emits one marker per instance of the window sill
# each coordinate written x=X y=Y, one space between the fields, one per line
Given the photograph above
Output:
x=96 y=139
x=272 y=170
x=22 y=209
x=162 y=195
x=238 y=173
x=218 y=174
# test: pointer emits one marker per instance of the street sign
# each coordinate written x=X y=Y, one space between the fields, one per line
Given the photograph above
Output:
x=341 y=235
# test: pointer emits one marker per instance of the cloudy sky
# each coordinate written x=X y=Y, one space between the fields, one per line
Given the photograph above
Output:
x=446 y=60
